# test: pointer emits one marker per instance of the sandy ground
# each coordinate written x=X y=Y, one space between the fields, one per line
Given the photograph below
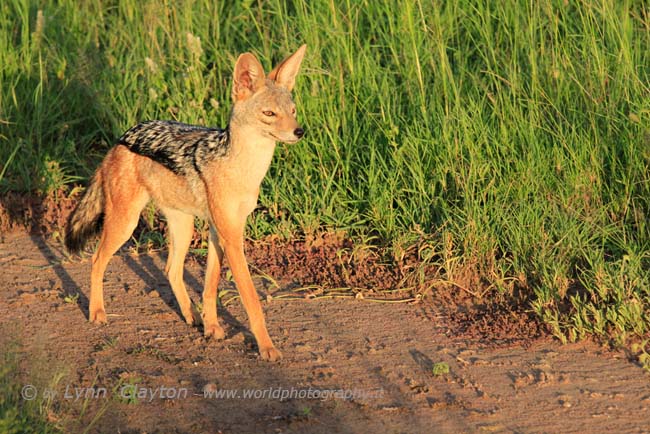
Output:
x=384 y=353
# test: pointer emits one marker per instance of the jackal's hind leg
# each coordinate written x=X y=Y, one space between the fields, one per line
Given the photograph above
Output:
x=121 y=216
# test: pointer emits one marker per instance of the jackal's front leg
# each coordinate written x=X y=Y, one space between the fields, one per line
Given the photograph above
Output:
x=180 y=228
x=211 y=325
x=250 y=299
x=231 y=232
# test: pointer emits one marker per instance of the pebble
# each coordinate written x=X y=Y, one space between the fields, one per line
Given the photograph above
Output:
x=303 y=348
x=210 y=388
x=28 y=297
x=238 y=338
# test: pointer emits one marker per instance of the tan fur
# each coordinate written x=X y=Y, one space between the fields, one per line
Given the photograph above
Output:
x=225 y=192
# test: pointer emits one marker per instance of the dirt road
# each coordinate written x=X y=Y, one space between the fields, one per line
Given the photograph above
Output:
x=161 y=375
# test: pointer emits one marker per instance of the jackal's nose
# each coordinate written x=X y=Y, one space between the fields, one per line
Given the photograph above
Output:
x=299 y=132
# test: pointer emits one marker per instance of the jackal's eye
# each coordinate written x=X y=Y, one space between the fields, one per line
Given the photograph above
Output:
x=293 y=111
x=268 y=113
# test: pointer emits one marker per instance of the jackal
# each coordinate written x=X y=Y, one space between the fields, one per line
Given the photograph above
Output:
x=188 y=171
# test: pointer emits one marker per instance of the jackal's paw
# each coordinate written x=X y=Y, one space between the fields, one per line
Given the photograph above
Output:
x=214 y=331
x=192 y=316
x=97 y=316
x=271 y=354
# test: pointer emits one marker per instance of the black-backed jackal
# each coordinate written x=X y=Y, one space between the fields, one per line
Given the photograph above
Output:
x=192 y=171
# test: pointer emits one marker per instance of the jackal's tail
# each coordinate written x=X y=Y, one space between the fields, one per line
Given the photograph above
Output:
x=86 y=220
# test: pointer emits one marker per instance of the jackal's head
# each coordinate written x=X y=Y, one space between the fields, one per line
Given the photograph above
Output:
x=263 y=103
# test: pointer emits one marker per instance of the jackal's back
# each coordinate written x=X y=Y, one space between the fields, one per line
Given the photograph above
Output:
x=182 y=148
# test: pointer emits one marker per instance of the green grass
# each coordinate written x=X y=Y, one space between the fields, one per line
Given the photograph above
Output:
x=439 y=369
x=19 y=415
x=509 y=140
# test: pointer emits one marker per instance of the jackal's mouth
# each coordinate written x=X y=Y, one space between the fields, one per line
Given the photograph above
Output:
x=290 y=142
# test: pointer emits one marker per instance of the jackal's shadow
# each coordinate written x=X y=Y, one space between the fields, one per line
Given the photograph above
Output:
x=152 y=274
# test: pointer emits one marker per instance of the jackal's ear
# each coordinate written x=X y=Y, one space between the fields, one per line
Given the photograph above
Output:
x=248 y=77
x=285 y=73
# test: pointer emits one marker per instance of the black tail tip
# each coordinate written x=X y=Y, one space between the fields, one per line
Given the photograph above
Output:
x=75 y=239
x=74 y=244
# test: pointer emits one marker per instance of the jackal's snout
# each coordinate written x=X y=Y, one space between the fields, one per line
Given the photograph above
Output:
x=283 y=125
x=292 y=137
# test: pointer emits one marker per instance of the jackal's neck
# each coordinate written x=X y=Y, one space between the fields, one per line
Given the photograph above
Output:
x=250 y=155
x=243 y=139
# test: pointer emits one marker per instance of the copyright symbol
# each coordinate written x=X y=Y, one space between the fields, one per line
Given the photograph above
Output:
x=28 y=392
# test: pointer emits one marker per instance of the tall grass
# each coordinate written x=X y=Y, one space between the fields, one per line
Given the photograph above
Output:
x=509 y=140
